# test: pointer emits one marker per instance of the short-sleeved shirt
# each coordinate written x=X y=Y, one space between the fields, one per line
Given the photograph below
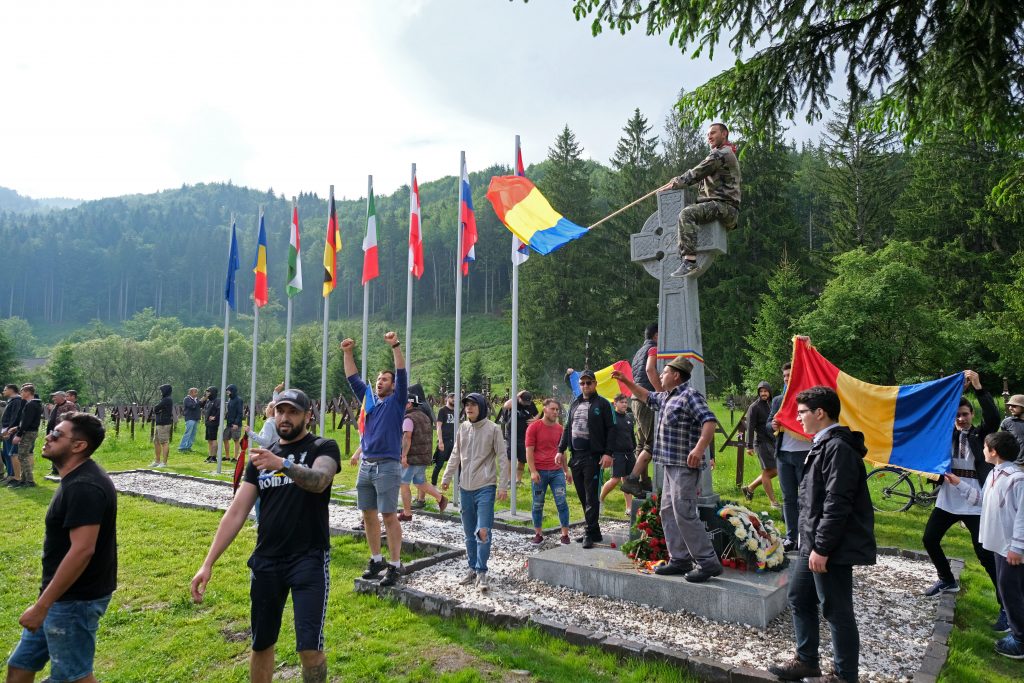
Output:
x=580 y=426
x=683 y=412
x=544 y=438
x=446 y=416
x=84 y=497
x=292 y=520
x=407 y=425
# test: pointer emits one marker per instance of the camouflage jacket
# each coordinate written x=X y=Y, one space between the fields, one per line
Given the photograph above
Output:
x=717 y=177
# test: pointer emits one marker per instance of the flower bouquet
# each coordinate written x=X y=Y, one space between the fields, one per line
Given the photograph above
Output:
x=754 y=540
x=648 y=550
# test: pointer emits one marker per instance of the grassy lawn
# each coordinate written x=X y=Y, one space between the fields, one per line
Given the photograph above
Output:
x=153 y=632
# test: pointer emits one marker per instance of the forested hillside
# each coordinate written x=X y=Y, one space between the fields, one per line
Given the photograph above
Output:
x=893 y=259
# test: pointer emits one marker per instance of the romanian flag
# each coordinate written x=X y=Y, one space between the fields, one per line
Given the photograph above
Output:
x=906 y=426
x=331 y=248
x=520 y=251
x=606 y=385
x=233 y=265
x=294 y=260
x=467 y=221
x=415 y=230
x=525 y=211
x=371 y=267
x=685 y=353
x=259 y=266
x=369 y=402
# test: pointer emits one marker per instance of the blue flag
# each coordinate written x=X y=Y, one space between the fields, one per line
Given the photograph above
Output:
x=233 y=265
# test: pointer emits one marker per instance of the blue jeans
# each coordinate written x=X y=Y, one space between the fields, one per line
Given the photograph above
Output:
x=833 y=591
x=67 y=640
x=9 y=449
x=477 y=514
x=791 y=471
x=556 y=480
x=189 y=437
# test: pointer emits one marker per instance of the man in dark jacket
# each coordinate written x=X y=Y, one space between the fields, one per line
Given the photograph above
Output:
x=191 y=411
x=588 y=431
x=8 y=426
x=790 y=451
x=163 y=417
x=25 y=436
x=837 y=531
x=211 y=418
x=233 y=421
x=525 y=411
x=761 y=441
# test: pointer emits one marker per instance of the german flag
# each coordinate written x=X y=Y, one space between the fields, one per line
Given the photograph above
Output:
x=331 y=248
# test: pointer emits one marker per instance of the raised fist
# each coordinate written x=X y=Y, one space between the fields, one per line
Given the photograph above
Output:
x=391 y=338
x=348 y=344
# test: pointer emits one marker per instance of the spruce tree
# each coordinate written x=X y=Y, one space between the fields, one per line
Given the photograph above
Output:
x=769 y=343
x=63 y=372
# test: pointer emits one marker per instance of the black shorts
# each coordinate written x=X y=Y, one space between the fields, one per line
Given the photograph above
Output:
x=623 y=464
x=308 y=577
x=520 y=452
x=211 y=431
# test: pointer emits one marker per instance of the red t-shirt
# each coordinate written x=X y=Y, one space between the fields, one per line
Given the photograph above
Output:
x=544 y=438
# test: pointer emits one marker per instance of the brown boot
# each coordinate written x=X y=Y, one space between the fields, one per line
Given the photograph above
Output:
x=794 y=670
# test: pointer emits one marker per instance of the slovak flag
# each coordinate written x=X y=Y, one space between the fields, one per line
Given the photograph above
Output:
x=371 y=268
x=520 y=251
x=415 y=230
x=467 y=220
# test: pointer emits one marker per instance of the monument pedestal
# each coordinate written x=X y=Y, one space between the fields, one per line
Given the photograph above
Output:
x=742 y=597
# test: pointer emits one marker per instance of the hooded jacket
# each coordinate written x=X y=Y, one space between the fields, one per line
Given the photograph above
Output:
x=836 y=517
x=212 y=408
x=234 y=409
x=478 y=456
x=759 y=430
x=12 y=412
x=31 y=416
x=163 y=411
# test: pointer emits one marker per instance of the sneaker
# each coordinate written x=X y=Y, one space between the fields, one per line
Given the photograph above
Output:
x=700 y=575
x=391 y=575
x=674 y=568
x=442 y=504
x=1010 y=647
x=419 y=504
x=161 y=465
x=537 y=539
x=1002 y=623
x=631 y=485
x=483 y=583
x=564 y=540
x=788 y=545
x=685 y=269
x=940 y=587
x=469 y=579
x=794 y=670
x=359 y=527
x=402 y=517
x=154 y=464
x=28 y=484
x=16 y=484
x=374 y=568
x=747 y=493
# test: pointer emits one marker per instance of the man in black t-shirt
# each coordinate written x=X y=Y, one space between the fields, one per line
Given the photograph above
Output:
x=447 y=418
x=79 y=560
x=292 y=479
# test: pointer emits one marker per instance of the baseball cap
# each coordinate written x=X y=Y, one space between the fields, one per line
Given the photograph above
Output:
x=587 y=374
x=58 y=393
x=294 y=397
x=414 y=399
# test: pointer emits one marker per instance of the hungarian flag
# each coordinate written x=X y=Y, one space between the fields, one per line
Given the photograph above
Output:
x=415 y=230
x=467 y=221
x=371 y=268
x=520 y=251
x=331 y=248
x=294 y=262
x=233 y=265
x=259 y=266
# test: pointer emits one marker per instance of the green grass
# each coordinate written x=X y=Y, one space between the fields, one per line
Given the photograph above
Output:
x=153 y=632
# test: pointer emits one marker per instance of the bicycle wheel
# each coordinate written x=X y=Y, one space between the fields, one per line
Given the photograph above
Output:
x=891 y=489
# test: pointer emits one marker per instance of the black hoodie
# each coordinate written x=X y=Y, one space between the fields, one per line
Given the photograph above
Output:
x=31 y=416
x=163 y=412
x=233 y=411
x=757 y=420
x=836 y=517
x=212 y=408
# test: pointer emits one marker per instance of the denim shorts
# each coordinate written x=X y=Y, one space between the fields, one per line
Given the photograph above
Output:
x=377 y=485
x=67 y=640
x=414 y=474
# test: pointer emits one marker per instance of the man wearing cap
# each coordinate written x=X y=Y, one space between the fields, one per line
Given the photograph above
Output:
x=417 y=447
x=1015 y=423
x=587 y=433
x=380 y=468
x=685 y=431
x=292 y=480
x=525 y=411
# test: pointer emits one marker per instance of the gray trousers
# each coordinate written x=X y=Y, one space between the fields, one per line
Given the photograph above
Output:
x=685 y=534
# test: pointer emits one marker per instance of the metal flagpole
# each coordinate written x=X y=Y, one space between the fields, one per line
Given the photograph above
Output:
x=408 y=287
x=458 y=315
x=366 y=286
x=323 y=357
x=288 y=324
x=255 y=349
x=514 y=389
x=224 y=365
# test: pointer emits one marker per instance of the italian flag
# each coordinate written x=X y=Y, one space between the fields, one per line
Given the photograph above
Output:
x=371 y=269
x=294 y=262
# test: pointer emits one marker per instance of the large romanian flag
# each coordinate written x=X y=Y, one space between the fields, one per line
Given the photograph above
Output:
x=907 y=426
x=525 y=211
x=607 y=386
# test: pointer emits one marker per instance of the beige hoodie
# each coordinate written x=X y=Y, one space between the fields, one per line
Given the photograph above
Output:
x=478 y=454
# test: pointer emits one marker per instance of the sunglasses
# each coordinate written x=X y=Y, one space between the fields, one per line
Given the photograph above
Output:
x=585 y=382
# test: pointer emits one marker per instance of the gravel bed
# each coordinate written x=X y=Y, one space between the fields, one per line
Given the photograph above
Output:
x=895 y=623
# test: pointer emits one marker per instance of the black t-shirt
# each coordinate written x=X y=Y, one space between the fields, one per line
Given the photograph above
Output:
x=446 y=416
x=84 y=497
x=292 y=520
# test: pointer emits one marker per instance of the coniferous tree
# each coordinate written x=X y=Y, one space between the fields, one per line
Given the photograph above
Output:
x=769 y=342
x=64 y=373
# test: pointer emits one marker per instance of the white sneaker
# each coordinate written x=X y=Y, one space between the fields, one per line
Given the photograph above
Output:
x=483 y=584
x=154 y=464
x=469 y=579
x=161 y=464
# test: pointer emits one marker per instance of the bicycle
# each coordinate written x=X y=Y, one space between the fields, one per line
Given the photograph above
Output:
x=892 y=489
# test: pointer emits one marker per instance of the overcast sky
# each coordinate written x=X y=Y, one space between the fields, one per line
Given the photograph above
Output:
x=104 y=98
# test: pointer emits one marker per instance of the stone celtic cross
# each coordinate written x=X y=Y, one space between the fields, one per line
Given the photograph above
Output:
x=656 y=247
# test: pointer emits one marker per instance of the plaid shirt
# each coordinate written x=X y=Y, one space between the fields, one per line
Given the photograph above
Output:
x=683 y=412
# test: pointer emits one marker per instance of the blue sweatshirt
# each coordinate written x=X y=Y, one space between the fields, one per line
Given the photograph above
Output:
x=383 y=435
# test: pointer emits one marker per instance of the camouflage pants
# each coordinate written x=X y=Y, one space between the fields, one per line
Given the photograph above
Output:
x=25 y=457
x=695 y=215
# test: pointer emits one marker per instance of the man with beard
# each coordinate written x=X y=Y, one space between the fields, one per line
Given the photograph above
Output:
x=292 y=479
x=79 y=560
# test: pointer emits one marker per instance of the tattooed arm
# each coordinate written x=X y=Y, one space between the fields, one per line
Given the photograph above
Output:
x=315 y=479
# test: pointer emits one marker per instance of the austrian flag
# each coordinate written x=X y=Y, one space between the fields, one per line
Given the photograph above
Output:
x=415 y=230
